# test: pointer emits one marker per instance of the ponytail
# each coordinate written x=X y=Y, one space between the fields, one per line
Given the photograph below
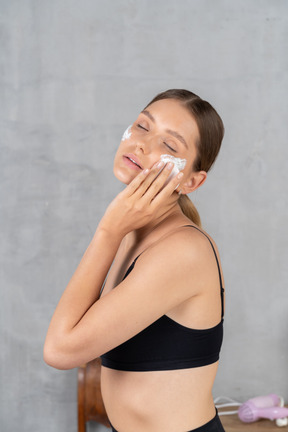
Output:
x=189 y=210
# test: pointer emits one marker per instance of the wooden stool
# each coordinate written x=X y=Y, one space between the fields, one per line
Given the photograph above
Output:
x=90 y=403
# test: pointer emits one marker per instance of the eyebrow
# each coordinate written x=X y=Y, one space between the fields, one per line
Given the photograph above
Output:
x=169 y=131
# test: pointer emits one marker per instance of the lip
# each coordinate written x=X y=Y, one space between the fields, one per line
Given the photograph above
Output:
x=134 y=158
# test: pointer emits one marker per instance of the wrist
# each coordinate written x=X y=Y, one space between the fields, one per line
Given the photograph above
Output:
x=108 y=234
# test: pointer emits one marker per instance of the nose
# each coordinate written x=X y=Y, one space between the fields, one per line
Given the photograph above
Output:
x=144 y=144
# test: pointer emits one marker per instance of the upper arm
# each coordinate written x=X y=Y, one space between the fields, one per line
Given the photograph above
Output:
x=164 y=276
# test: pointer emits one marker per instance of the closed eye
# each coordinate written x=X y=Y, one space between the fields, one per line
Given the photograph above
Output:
x=141 y=127
x=167 y=145
x=170 y=148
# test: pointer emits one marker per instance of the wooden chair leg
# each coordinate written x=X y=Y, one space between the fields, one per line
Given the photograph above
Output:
x=81 y=399
x=94 y=405
x=90 y=403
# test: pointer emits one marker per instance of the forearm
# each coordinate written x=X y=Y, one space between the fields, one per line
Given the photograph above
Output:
x=85 y=285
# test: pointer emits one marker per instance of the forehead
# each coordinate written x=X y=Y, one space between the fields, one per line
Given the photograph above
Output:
x=172 y=114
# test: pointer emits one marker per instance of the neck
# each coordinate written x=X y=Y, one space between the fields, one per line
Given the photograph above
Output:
x=159 y=224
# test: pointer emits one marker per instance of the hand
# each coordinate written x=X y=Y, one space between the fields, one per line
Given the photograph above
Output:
x=144 y=199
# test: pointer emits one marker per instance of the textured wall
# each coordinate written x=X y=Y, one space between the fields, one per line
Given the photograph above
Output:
x=73 y=76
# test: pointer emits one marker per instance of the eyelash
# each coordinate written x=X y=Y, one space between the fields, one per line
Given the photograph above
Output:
x=141 y=127
x=170 y=148
x=167 y=145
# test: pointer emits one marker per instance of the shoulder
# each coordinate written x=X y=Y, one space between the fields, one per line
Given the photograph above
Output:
x=186 y=243
x=185 y=255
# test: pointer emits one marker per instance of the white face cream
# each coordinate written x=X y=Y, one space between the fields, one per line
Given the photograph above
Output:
x=127 y=134
x=179 y=164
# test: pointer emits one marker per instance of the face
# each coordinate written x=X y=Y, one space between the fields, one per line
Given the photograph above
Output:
x=165 y=127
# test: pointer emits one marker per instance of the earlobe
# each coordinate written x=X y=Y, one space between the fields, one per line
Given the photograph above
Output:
x=195 y=181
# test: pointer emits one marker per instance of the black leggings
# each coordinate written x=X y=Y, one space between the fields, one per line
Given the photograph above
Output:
x=213 y=425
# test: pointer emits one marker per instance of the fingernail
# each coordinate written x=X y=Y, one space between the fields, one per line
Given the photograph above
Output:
x=180 y=175
x=160 y=164
x=169 y=166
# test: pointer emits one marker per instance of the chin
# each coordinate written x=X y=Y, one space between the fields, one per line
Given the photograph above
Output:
x=122 y=175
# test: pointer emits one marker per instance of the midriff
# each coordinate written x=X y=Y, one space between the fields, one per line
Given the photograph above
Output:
x=174 y=400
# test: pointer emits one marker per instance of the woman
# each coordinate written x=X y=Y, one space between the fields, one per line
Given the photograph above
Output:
x=158 y=322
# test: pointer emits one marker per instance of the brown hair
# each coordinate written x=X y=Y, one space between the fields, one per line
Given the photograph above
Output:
x=211 y=132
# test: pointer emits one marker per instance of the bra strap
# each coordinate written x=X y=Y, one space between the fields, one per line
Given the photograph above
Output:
x=218 y=265
x=130 y=268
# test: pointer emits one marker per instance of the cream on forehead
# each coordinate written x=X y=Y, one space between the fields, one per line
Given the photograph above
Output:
x=127 y=134
x=179 y=164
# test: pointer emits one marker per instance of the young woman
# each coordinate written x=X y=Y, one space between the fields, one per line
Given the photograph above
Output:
x=158 y=322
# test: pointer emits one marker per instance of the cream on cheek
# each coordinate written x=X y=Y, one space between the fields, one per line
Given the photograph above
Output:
x=179 y=164
x=127 y=134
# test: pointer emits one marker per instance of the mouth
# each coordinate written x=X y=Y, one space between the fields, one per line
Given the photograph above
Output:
x=132 y=160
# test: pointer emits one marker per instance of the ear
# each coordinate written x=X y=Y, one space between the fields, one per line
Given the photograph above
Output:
x=194 y=182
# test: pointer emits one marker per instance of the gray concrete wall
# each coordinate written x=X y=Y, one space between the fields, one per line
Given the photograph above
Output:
x=73 y=76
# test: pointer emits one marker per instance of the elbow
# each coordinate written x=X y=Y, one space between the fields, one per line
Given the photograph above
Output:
x=55 y=358
x=63 y=352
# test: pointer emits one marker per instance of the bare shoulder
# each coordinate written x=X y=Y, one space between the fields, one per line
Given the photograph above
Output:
x=184 y=246
x=187 y=258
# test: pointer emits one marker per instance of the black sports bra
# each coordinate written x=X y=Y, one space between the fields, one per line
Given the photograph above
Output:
x=168 y=345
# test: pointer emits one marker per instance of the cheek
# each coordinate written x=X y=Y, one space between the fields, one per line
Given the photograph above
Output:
x=122 y=146
x=120 y=171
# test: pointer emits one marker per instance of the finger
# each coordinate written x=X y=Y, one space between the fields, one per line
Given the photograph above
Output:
x=159 y=182
x=137 y=181
x=149 y=179
x=168 y=189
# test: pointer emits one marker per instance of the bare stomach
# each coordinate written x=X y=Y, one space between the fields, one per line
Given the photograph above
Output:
x=174 y=401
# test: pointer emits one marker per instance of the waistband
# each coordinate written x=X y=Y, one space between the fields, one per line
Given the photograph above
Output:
x=213 y=425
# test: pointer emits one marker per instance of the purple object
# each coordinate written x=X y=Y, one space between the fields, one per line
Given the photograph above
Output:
x=262 y=407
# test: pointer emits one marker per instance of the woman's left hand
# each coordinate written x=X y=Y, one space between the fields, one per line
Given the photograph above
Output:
x=146 y=198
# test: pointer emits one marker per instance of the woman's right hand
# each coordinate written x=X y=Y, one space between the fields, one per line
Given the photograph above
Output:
x=145 y=198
